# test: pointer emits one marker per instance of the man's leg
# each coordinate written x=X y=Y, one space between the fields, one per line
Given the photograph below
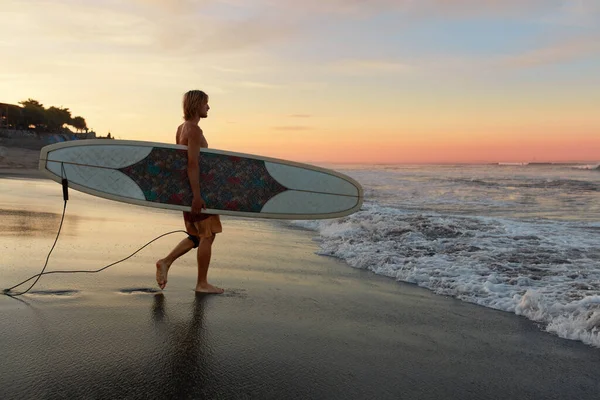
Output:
x=204 y=254
x=163 y=265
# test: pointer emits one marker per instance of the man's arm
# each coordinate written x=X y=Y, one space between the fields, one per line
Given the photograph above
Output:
x=194 y=136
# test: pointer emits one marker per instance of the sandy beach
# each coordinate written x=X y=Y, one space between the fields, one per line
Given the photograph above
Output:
x=16 y=158
x=291 y=324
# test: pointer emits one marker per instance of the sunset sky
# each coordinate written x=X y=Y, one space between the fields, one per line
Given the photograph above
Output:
x=379 y=81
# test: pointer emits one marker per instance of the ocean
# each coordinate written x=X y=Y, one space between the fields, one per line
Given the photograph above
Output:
x=521 y=238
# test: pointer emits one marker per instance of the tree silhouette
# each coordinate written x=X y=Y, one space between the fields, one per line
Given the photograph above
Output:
x=56 y=118
x=78 y=123
x=34 y=115
x=33 y=112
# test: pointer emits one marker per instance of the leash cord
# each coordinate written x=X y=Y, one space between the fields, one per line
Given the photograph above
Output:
x=9 y=292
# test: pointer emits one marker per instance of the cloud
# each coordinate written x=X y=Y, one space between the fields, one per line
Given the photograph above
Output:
x=237 y=71
x=188 y=33
x=146 y=26
x=369 y=66
x=550 y=53
x=360 y=8
x=241 y=34
x=482 y=7
x=292 y=128
x=562 y=51
x=175 y=6
x=579 y=13
x=258 y=85
x=193 y=29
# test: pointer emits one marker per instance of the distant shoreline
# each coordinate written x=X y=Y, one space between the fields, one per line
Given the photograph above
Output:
x=26 y=158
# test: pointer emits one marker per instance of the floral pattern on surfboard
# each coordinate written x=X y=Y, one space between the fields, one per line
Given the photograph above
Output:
x=226 y=182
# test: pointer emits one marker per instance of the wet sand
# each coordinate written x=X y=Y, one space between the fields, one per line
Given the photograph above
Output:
x=23 y=173
x=291 y=324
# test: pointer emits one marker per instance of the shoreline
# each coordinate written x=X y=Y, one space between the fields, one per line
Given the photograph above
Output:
x=27 y=173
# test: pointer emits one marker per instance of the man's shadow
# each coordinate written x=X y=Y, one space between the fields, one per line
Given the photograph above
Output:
x=187 y=364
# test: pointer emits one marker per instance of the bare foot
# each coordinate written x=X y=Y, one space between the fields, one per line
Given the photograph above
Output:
x=208 y=288
x=162 y=269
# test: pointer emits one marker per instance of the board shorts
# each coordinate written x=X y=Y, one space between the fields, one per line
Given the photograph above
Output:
x=206 y=224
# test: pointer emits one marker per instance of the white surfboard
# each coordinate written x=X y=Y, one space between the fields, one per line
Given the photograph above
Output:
x=155 y=175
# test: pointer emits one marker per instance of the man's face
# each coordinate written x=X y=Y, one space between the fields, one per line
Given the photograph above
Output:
x=204 y=110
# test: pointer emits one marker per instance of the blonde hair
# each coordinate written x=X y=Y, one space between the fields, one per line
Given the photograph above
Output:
x=192 y=101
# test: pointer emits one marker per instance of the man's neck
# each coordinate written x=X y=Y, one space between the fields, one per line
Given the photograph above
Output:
x=195 y=120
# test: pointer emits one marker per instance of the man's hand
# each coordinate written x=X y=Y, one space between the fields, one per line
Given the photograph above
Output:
x=198 y=205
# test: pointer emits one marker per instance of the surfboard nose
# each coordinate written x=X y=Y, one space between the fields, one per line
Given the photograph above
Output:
x=295 y=178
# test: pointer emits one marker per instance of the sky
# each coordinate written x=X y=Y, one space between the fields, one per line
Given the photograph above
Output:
x=340 y=81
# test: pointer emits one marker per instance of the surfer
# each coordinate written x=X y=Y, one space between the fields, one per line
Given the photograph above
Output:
x=201 y=228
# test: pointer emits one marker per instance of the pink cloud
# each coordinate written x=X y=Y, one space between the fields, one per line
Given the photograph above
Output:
x=421 y=8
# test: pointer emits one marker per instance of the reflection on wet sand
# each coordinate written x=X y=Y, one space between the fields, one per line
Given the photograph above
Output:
x=189 y=368
x=30 y=223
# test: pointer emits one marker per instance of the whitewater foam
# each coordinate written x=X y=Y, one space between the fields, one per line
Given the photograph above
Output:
x=545 y=270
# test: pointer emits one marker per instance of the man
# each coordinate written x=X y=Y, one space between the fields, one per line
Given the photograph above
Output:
x=202 y=228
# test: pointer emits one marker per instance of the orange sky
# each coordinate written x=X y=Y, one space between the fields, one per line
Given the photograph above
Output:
x=328 y=81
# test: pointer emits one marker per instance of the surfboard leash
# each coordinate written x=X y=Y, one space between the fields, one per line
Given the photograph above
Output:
x=65 y=189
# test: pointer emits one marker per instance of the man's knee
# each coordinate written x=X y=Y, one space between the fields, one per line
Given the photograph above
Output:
x=209 y=240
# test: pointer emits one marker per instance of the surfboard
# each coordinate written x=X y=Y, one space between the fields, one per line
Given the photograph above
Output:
x=154 y=174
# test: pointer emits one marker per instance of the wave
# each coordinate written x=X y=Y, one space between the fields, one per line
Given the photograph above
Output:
x=550 y=164
x=548 y=272
x=587 y=167
x=532 y=183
